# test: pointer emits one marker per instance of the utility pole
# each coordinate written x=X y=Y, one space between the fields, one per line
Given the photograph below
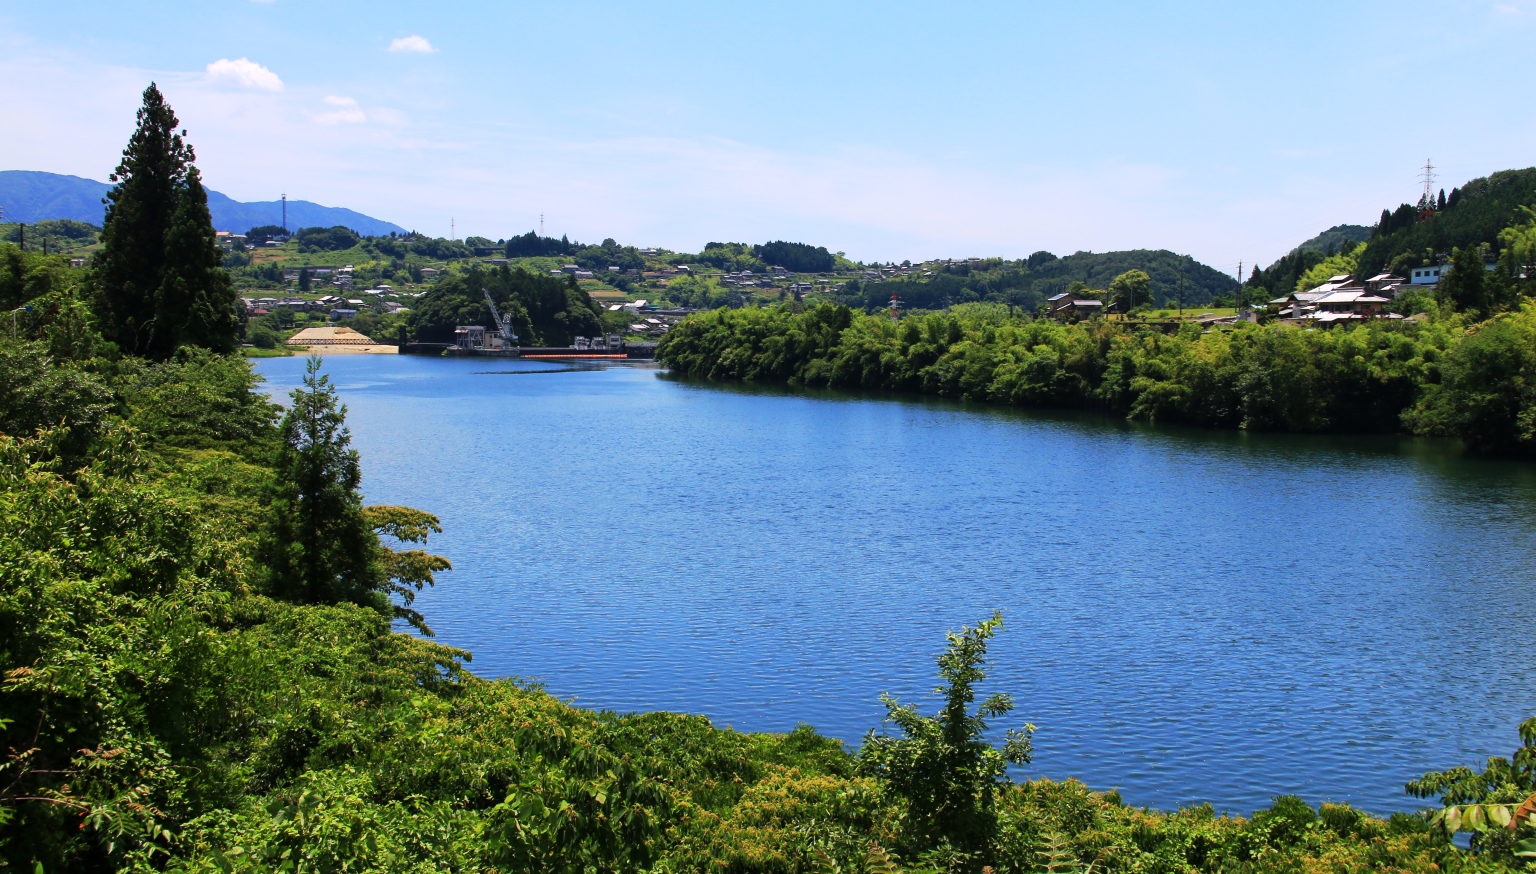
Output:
x=453 y=229
x=285 y=214
x=1239 y=288
x=1181 y=292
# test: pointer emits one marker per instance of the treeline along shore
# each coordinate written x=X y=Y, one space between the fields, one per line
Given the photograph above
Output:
x=1467 y=375
x=210 y=661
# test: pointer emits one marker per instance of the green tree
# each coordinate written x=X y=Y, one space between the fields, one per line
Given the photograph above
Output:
x=1466 y=288
x=322 y=545
x=304 y=279
x=1130 y=288
x=159 y=283
x=1486 y=394
x=942 y=765
x=195 y=305
x=130 y=265
x=319 y=548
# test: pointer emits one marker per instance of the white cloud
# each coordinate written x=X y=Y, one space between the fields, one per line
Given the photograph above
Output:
x=412 y=44
x=243 y=73
x=346 y=112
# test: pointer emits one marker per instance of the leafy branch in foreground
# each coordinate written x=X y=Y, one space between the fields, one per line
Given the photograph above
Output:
x=942 y=765
x=1496 y=805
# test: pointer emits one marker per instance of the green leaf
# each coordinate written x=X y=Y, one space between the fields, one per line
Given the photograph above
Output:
x=1526 y=849
x=1472 y=817
x=1500 y=814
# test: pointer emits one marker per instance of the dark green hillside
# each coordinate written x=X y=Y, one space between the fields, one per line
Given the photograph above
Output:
x=545 y=310
x=1027 y=283
x=1333 y=239
x=1473 y=215
x=67 y=233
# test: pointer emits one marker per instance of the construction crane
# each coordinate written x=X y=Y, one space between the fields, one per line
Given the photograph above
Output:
x=508 y=336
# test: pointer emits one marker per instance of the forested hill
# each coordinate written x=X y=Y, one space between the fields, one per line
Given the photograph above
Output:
x=1408 y=236
x=1028 y=282
x=1472 y=215
x=1333 y=239
x=30 y=196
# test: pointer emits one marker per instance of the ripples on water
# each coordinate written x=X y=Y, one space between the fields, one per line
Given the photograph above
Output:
x=1190 y=616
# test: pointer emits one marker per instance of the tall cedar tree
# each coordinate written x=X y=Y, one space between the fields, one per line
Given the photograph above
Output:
x=158 y=280
x=195 y=303
x=319 y=547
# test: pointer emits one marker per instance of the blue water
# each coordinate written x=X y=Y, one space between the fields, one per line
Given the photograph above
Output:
x=1190 y=616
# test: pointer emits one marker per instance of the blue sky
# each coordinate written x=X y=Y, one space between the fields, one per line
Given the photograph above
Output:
x=884 y=130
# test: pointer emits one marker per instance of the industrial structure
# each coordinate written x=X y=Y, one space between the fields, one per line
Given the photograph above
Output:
x=475 y=340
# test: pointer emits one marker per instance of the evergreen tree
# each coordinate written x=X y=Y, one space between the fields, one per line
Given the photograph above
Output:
x=195 y=304
x=139 y=211
x=318 y=546
x=158 y=281
x=304 y=283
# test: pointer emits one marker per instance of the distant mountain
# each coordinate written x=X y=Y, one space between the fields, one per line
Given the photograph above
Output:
x=31 y=196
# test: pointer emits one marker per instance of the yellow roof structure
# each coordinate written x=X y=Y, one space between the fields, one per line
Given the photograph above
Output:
x=337 y=339
x=329 y=337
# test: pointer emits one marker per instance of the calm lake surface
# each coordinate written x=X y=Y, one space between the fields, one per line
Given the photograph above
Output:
x=1189 y=616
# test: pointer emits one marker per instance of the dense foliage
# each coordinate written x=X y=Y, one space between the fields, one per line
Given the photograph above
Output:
x=795 y=257
x=332 y=239
x=1433 y=377
x=66 y=231
x=262 y=234
x=531 y=245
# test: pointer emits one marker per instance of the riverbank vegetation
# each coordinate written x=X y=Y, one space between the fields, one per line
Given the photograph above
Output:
x=1464 y=368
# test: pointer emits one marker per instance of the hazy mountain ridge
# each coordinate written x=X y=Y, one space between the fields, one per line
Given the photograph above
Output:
x=31 y=196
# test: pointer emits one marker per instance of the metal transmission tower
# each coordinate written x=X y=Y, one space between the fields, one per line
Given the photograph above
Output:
x=1427 y=199
x=285 y=214
x=508 y=336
